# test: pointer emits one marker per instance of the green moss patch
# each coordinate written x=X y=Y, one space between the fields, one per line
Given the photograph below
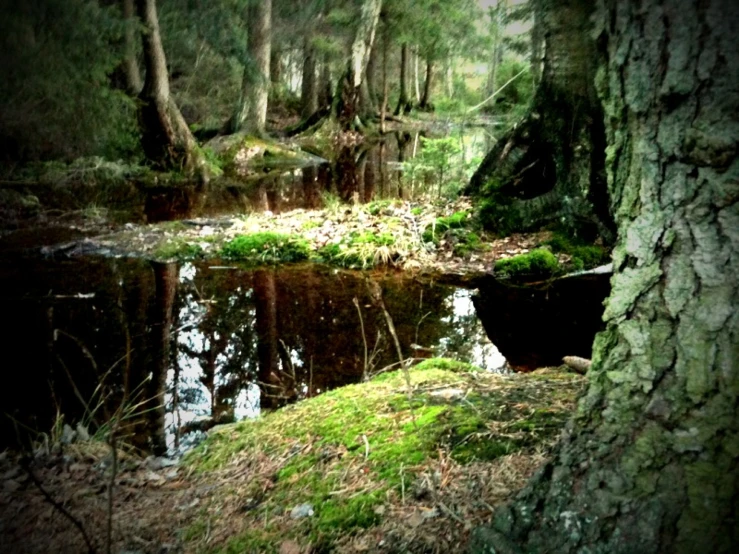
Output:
x=583 y=255
x=539 y=263
x=266 y=248
x=356 y=454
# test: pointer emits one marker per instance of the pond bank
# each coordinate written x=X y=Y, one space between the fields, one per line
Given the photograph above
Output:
x=358 y=469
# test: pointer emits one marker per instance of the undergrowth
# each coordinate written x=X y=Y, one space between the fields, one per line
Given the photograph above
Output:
x=348 y=452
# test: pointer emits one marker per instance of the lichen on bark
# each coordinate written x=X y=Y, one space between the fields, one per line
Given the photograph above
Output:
x=650 y=462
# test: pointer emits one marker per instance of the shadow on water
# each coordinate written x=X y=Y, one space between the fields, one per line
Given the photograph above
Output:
x=194 y=345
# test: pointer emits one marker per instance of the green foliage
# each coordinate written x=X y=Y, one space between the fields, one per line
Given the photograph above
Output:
x=266 y=248
x=540 y=262
x=57 y=57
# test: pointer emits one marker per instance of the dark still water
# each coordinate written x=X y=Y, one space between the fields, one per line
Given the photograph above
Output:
x=189 y=346
x=206 y=342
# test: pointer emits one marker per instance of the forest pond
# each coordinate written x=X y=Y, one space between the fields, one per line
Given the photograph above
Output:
x=214 y=343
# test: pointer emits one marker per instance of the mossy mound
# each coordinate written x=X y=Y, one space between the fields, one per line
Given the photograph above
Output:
x=583 y=255
x=350 y=457
x=537 y=263
x=266 y=248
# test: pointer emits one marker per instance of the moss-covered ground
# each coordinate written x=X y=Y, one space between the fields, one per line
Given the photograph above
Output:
x=371 y=465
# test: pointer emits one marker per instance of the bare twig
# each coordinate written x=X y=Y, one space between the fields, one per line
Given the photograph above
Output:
x=364 y=338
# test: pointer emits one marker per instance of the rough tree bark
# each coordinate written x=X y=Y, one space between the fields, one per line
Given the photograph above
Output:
x=650 y=462
x=550 y=165
x=346 y=102
x=251 y=112
x=165 y=136
x=404 y=102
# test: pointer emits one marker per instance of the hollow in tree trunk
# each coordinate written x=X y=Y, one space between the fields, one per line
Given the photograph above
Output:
x=165 y=136
x=251 y=112
x=550 y=167
x=650 y=462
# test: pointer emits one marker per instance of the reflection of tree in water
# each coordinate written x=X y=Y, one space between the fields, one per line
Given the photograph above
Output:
x=215 y=345
x=295 y=332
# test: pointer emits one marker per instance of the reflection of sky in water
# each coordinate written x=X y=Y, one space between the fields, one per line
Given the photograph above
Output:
x=465 y=340
x=469 y=342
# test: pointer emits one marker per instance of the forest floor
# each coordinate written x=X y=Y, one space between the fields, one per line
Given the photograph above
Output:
x=439 y=238
x=373 y=467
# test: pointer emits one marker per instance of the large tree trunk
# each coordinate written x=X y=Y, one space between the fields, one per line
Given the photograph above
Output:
x=346 y=103
x=309 y=87
x=550 y=166
x=650 y=463
x=404 y=103
x=251 y=112
x=426 y=98
x=165 y=136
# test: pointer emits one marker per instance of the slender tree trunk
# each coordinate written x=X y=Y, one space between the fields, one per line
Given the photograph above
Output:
x=449 y=79
x=165 y=136
x=426 y=98
x=371 y=76
x=275 y=75
x=650 y=462
x=309 y=87
x=130 y=64
x=404 y=103
x=251 y=112
x=346 y=103
x=416 y=77
x=326 y=92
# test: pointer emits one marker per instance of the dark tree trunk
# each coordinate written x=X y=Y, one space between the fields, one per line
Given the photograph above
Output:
x=404 y=102
x=309 y=87
x=165 y=277
x=165 y=136
x=265 y=291
x=426 y=98
x=276 y=87
x=251 y=112
x=551 y=166
x=326 y=92
x=650 y=462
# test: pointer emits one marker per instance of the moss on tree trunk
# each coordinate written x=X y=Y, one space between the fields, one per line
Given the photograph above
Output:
x=550 y=166
x=650 y=462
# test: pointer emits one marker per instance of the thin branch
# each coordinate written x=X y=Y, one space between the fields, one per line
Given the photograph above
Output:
x=489 y=98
